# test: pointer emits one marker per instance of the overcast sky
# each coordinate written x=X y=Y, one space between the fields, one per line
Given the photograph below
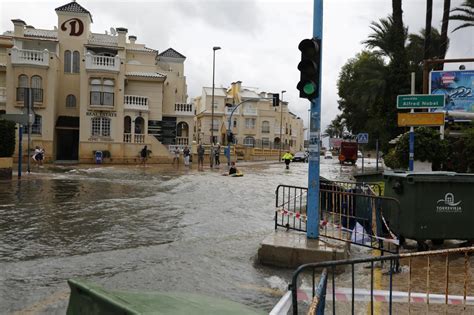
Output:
x=259 y=38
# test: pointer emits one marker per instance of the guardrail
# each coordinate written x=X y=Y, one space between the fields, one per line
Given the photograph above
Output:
x=452 y=264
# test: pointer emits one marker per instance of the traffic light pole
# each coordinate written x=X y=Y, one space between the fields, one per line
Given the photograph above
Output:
x=315 y=136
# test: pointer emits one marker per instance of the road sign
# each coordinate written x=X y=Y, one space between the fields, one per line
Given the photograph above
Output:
x=420 y=101
x=420 y=119
x=18 y=118
x=363 y=138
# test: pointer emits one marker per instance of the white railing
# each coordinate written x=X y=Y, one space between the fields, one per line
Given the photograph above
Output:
x=135 y=102
x=94 y=62
x=30 y=57
x=3 y=95
x=127 y=137
x=182 y=140
x=228 y=110
x=184 y=109
x=138 y=138
x=250 y=111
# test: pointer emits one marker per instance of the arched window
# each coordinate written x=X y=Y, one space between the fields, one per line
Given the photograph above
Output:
x=249 y=141
x=67 y=62
x=75 y=61
x=139 y=125
x=265 y=127
x=182 y=129
x=37 y=88
x=22 y=83
x=102 y=92
x=70 y=101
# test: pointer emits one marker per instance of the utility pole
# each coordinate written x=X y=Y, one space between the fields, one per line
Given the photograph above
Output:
x=212 y=99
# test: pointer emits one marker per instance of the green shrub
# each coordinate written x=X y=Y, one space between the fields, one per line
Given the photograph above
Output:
x=7 y=136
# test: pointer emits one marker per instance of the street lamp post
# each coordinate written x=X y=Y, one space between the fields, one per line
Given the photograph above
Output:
x=229 y=130
x=281 y=123
x=212 y=99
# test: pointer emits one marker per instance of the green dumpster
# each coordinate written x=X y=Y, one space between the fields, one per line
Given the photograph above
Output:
x=433 y=206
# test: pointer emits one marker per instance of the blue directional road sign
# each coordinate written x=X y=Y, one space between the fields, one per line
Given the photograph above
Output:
x=363 y=138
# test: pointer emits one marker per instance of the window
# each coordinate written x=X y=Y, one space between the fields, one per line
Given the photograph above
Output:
x=67 y=62
x=265 y=142
x=249 y=141
x=37 y=88
x=35 y=127
x=71 y=101
x=215 y=125
x=102 y=92
x=20 y=91
x=75 y=62
x=71 y=62
x=101 y=126
x=250 y=123
x=265 y=127
x=235 y=123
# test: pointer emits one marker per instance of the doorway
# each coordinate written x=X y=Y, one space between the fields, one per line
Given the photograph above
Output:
x=67 y=144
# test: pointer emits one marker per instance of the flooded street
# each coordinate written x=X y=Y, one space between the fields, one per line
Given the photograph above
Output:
x=133 y=228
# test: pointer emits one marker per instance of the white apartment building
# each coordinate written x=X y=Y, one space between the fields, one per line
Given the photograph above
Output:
x=94 y=91
x=255 y=122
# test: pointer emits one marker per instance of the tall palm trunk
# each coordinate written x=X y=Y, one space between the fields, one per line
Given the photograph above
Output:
x=444 y=29
x=429 y=16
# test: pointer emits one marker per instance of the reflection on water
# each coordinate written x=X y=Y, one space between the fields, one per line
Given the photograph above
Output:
x=154 y=228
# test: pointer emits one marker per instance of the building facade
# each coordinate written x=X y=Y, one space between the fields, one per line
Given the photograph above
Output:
x=255 y=122
x=93 y=91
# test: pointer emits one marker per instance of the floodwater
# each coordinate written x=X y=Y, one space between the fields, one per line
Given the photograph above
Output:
x=154 y=228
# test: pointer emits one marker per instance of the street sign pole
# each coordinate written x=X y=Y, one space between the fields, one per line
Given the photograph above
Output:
x=20 y=153
x=377 y=155
x=315 y=135
x=28 y=101
x=411 y=144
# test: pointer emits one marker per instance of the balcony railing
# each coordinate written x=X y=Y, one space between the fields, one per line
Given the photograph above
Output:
x=135 y=102
x=3 y=95
x=139 y=138
x=94 y=62
x=127 y=137
x=30 y=57
x=182 y=141
x=228 y=110
x=184 y=109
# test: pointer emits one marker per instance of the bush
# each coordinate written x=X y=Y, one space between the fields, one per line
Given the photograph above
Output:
x=7 y=134
x=428 y=147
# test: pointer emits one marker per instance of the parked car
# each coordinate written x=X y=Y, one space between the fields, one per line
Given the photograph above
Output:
x=300 y=157
x=328 y=155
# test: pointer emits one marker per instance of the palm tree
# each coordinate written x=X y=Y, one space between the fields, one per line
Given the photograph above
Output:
x=465 y=14
x=416 y=45
x=429 y=16
x=444 y=29
x=383 y=37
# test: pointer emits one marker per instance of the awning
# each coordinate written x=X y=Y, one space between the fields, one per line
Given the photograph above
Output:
x=67 y=122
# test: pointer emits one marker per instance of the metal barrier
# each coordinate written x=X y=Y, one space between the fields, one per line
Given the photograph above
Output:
x=348 y=211
x=449 y=261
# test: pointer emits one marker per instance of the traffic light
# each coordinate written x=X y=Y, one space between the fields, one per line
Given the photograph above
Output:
x=309 y=67
x=230 y=137
x=276 y=99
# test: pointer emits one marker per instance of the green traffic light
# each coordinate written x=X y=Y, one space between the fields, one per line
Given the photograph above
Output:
x=309 y=88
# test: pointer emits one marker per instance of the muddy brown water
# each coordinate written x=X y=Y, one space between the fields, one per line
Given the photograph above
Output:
x=145 y=229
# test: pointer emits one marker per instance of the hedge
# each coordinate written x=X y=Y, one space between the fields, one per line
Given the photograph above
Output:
x=7 y=136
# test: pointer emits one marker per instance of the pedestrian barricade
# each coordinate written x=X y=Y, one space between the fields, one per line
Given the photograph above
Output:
x=348 y=211
x=431 y=282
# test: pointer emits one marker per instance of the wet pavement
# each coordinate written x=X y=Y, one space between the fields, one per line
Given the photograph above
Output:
x=154 y=228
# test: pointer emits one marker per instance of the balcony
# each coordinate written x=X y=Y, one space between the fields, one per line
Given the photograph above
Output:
x=102 y=63
x=3 y=95
x=30 y=57
x=184 y=109
x=228 y=110
x=135 y=102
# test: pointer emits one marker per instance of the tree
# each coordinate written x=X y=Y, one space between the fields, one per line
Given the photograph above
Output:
x=444 y=29
x=336 y=128
x=464 y=13
x=382 y=38
x=429 y=17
